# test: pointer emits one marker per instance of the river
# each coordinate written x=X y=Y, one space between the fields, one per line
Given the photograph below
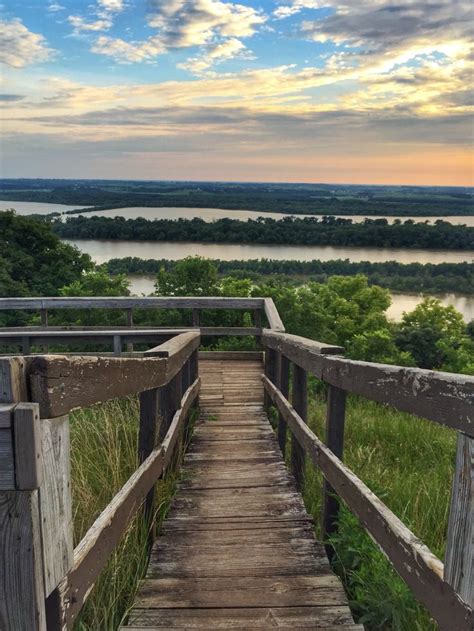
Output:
x=208 y=214
x=102 y=251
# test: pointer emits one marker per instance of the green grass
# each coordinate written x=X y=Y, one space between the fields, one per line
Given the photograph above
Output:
x=409 y=464
x=103 y=456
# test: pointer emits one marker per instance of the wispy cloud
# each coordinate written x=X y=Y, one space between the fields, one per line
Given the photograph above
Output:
x=80 y=24
x=20 y=47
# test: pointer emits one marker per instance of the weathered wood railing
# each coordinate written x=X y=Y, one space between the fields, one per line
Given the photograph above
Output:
x=117 y=337
x=447 y=591
x=43 y=580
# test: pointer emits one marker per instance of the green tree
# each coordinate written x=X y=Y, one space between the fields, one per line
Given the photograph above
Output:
x=191 y=276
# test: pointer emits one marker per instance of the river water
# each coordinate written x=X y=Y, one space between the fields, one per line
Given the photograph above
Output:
x=208 y=214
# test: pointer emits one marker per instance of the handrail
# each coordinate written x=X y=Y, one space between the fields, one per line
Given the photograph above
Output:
x=62 y=383
x=415 y=563
x=446 y=398
x=447 y=591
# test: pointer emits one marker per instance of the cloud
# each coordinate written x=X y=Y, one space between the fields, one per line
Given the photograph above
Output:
x=54 y=7
x=19 y=47
x=296 y=6
x=184 y=23
x=11 y=98
x=80 y=24
x=128 y=52
x=114 y=6
x=228 y=49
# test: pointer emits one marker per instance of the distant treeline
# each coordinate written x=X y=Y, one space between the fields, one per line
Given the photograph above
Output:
x=317 y=199
x=288 y=231
x=429 y=278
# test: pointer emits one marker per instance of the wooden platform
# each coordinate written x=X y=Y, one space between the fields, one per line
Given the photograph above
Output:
x=238 y=551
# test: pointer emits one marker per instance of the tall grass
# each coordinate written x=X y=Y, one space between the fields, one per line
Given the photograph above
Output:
x=409 y=463
x=103 y=456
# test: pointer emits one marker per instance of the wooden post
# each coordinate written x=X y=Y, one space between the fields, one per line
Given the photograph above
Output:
x=22 y=589
x=147 y=439
x=196 y=318
x=129 y=313
x=271 y=363
x=117 y=345
x=25 y=345
x=335 y=419
x=194 y=371
x=44 y=317
x=284 y=389
x=459 y=560
x=300 y=403
x=258 y=324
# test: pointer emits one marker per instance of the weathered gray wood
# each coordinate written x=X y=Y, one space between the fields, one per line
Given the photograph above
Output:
x=459 y=561
x=300 y=403
x=152 y=302
x=271 y=368
x=103 y=536
x=6 y=415
x=273 y=316
x=55 y=501
x=335 y=420
x=177 y=351
x=284 y=389
x=150 y=419
x=21 y=573
x=44 y=317
x=446 y=398
x=60 y=384
x=230 y=355
x=27 y=440
x=7 y=462
x=13 y=386
x=416 y=564
x=196 y=317
x=117 y=341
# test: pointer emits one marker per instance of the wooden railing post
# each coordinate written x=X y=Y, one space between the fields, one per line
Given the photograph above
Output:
x=36 y=538
x=44 y=317
x=459 y=559
x=147 y=441
x=117 y=341
x=300 y=403
x=257 y=321
x=271 y=366
x=284 y=389
x=196 y=318
x=335 y=419
x=129 y=313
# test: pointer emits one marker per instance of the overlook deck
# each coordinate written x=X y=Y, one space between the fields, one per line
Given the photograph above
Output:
x=238 y=549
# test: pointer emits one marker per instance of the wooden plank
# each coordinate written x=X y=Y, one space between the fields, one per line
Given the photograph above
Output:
x=21 y=579
x=290 y=591
x=104 y=535
x=459 y=561
x=55 y=501
x=416 y=564
x=300 y=403
x=27 y=440
x=335 y=419
x=243 y=618
x=12 y=382
x=6 y=415
x=273 y=316
x=446 y=398
x=152 y=302
x=7 y=463
x=292 y=533
x=61 y=384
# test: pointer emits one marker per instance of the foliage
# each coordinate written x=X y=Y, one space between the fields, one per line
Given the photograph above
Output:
x=436 y=336
x=417 y=277
x=191 y=276
x=290 y=230
x=33 y=260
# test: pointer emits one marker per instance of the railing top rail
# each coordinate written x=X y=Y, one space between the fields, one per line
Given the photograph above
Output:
x=445 y=398
x=128 y=302
x=63 y=383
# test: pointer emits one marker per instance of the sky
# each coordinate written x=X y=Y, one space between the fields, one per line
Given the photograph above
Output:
x=355 y=91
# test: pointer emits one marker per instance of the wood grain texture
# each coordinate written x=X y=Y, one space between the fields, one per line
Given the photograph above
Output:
x=7 y=462
x=13 y=387
x=21 y=578
x=238 y=549
x=55 y=501
x=27 y=441
x=459 y=561
x=416 y=564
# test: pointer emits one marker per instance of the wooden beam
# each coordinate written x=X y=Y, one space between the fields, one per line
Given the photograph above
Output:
x=274 y=321
x=28 y=453
x=92 y=553
x=459 y=560
x=300 y=403
x=335 y=420
x=445 y=398
x=60 y=384
x=416 y=564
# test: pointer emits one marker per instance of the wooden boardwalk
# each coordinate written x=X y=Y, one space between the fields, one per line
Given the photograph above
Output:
x=238 y=550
